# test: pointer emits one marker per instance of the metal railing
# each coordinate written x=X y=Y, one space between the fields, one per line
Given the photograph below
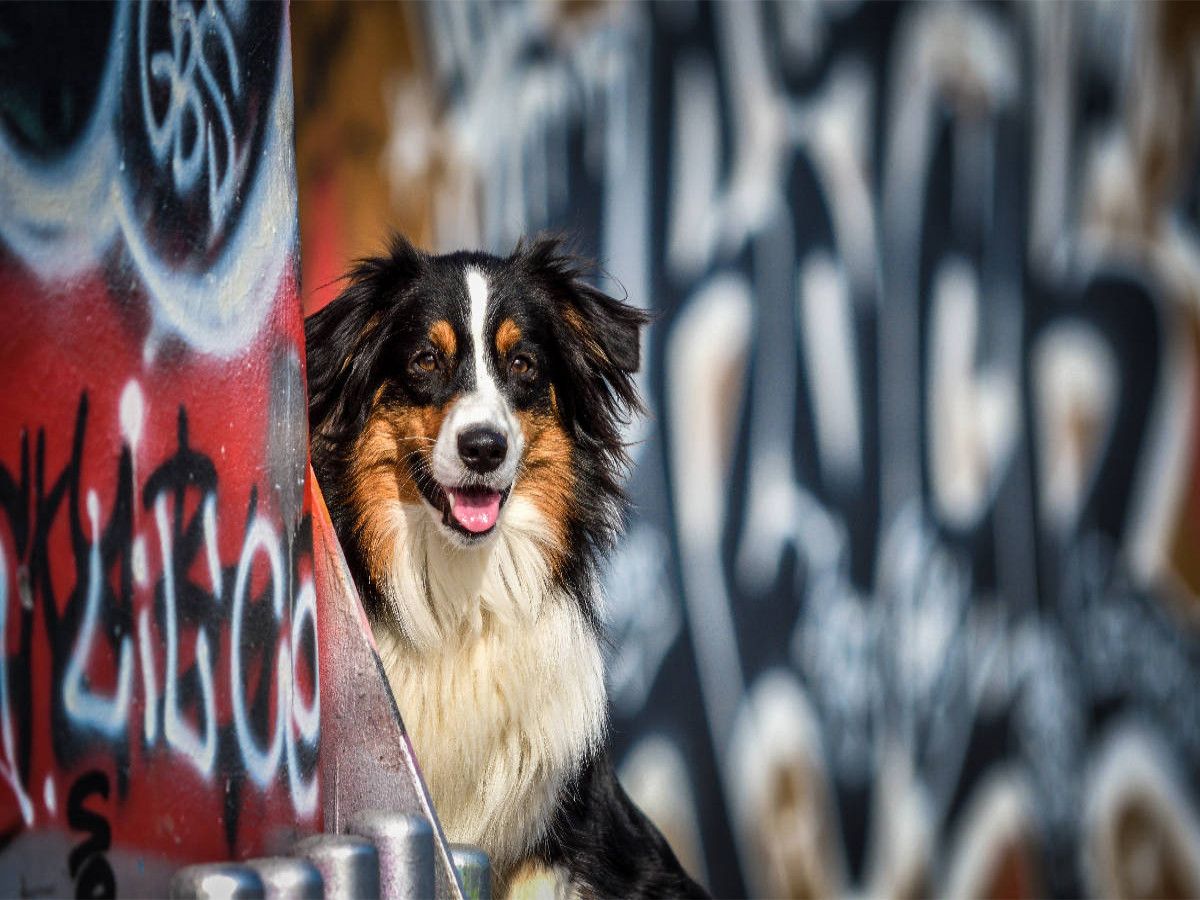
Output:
x=381 y=856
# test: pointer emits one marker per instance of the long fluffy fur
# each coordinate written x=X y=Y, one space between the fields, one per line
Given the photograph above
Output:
x=492 y=647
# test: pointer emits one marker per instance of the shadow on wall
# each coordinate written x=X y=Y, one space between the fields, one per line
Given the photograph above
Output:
x=909 y=601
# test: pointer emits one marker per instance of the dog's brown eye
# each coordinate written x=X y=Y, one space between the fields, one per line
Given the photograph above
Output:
x=426 y=361
x=521 y=365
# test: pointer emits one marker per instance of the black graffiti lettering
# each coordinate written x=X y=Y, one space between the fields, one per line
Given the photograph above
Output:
x=97 y=879
x=86 y=862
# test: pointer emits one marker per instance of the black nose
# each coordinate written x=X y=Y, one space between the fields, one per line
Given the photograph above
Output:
x=482 y=450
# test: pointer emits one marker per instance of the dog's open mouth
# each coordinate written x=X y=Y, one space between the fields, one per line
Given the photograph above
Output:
x=471 y=509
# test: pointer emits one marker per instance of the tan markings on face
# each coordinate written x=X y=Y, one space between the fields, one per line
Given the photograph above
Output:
x=548 y=480
x=442 y=337
x=507 y=336
x=382 y=467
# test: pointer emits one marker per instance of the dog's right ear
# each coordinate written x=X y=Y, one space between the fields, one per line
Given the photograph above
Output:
x=344 y=341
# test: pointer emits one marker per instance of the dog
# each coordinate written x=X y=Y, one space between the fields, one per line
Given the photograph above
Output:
x=465 y=414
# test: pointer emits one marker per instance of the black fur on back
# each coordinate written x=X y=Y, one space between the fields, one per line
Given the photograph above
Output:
x=609 y=845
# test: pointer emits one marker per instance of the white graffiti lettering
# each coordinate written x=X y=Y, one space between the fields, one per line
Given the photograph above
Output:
x=106 y=714
x=188 y=103
x=260 y=764
x=149 y=683
x=179 y=714
x=307 y=716
x=200 y=751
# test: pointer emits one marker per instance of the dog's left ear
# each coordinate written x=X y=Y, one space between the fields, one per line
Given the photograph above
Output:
x=599 y=337
x=607 y=329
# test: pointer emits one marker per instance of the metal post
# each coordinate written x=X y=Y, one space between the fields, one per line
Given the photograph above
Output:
x=405 y=845
x=349 y=865
x=285 y=878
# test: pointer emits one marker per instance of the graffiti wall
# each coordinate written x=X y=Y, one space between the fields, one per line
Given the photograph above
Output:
x=908 y=602
x=159 y=687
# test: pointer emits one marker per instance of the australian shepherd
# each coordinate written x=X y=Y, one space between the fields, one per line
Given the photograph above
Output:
x=466 y=414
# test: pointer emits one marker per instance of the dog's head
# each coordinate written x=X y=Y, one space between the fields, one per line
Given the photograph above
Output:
x=458 y=383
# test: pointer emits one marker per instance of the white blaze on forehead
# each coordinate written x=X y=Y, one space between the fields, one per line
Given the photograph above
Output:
x=478 y=292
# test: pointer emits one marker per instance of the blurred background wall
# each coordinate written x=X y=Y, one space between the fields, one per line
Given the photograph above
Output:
x=909 y=602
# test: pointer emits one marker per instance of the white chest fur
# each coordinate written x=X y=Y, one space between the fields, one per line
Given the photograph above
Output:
x=498 y=677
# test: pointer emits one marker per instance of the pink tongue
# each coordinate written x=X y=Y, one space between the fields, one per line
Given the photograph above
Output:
x=476 y=511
